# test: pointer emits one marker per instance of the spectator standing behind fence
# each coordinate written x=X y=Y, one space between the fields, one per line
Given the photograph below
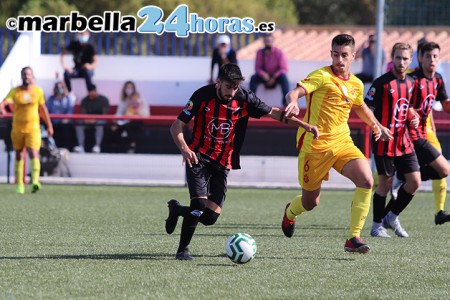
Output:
x=222 y=54
x=28 y=105
x=62 y=103
x=271 y=68
x=92 y=104
x=367 y=52
x=84 y=57
x=131 y=104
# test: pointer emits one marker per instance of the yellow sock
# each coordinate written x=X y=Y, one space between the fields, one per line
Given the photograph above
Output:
x=440 y=192
x=295 y=208
x=18 y=167
x=360 y=210
x=35 y=170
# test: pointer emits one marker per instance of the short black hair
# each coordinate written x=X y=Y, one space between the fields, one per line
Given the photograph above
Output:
x=430 y=46
x=343 y=40
x=92 y=87
x=231 y=73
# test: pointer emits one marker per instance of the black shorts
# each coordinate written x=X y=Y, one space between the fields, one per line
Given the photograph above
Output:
x=207 y=178
x=387 y=165
x=425 y=152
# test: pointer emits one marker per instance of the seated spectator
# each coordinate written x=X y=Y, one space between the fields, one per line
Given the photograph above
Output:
x=131 y=104
x=367 y=53
x=84 y=58
x=271 y=68
x=62 y=103
x=222 y=54
x=93 y=104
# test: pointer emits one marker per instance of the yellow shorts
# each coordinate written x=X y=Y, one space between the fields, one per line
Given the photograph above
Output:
x=30 y=139
x=432 y=138
x=313 y=168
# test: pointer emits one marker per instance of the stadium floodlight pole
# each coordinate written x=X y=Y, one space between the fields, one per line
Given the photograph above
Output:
x=378 y=36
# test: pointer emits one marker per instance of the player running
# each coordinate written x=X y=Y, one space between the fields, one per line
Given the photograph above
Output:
x=220 y=113
x=331 y=92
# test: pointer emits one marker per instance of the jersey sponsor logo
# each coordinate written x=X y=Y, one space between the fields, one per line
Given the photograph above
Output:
x=188 y=107
x=27 y=98
x=391 y=91
x=401 y=110
x=427 y=104
x=221 y=130
x=421 y=87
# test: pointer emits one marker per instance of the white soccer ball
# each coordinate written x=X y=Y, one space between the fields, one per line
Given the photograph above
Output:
x=241 y=248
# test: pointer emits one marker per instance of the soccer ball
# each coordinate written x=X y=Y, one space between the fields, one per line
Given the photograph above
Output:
x=241 y=248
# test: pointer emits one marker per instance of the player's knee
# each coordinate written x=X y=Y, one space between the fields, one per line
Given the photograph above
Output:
x=413 y=185
x=209 y=217
x=445 y=171
x=197 y=206
x=366 y=183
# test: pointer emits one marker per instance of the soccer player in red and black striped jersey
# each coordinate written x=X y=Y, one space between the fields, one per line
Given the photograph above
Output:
x=220 y=113
x=390 y=98
x=429 y=88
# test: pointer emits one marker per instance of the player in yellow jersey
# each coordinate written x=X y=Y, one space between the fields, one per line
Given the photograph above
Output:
x=331 y=92
x=439 y=186
x=28 y=104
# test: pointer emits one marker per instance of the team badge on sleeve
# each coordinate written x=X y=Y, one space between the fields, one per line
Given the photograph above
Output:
x=371 y=93
x=188 y=107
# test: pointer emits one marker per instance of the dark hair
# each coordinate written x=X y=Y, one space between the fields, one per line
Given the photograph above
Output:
x=92 y=87
x=427 y=47
x=62 y=84
x=26 y=68
x=123 y=95
x=343 y=40
x=231 y=73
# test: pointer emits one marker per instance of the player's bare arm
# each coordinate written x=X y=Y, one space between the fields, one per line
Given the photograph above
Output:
x=446 y=105
x=43 y=112
x=413 y=117
x=292 y=100
x=281 y=115
x=366 y=115
x=176 y=130
x=2 y=107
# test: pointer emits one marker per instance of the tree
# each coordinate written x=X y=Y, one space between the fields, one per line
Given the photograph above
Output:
x=342 y=12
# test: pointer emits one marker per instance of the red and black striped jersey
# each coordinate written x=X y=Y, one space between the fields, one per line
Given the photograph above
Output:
x=220 y=126
x=426 y=92
x=390 y=99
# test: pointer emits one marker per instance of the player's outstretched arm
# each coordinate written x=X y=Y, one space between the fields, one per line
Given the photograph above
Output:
x=280 y=115
x=366 y=115
x=176 y=130
x=292 y=100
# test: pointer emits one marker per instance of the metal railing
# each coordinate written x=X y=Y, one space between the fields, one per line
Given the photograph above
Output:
x=167 y=44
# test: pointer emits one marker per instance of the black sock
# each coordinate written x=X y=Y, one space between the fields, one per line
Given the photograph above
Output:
x=403 y=199
x=378 y=207
x=389 y=206
x=190 y=222
x=183 y=211
x=427 y=173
